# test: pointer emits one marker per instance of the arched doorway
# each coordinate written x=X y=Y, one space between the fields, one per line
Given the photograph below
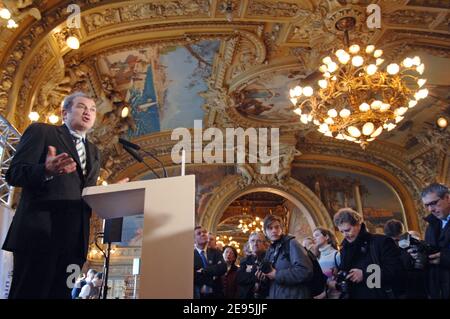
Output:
x=246 y=213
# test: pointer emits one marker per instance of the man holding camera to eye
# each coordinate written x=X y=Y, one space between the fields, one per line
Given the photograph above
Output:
x=436 y=199
x=249 y=286
x=361 y=249
x=291 y=268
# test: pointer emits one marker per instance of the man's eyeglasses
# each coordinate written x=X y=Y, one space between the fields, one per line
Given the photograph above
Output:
x=433 y=203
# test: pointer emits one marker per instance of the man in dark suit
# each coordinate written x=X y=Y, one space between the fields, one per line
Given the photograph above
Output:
x=50 y=229
x=436 y=198
x=209 y=265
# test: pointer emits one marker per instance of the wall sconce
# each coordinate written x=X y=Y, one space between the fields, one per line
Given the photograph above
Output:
x=73 y=42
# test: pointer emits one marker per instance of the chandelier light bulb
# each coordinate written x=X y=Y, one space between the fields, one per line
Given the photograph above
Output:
x=332 y=113
x=304 y=119
x=384 y=107
x=376 y=105
x=354 y=131
x=327 y=60
x=323 y=127
x=400 y=111
x=412 y=103
x=340 y=136
x=298 y=111
x=377 y=132
x=421 y=82
x=323 y=68
x=422 y=93
x=420 y=69
x=344 y=113
x=416 y=60
x=378 y=53
x=294 y=100
x=332 y=67
x=5 y=14
x=12 y=24
x=368 y=128
x=298 y=90
x=364 y=107
x=357 y=60
x=339 y=53
x=323 y=83
x=442 y=122
x=370 y=48
x=408 y=62
x=329 y=121
x=393 y=68
x=398 y=119
x=390 y=126
x=344 y=58
x=354 y=49
x=371 y=69
x=379 y=61
x=308 y=91
x=327 y=75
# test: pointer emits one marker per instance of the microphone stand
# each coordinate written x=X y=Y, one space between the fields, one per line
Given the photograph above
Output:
x=138 y=158
x=156 y=159
x=104 y=289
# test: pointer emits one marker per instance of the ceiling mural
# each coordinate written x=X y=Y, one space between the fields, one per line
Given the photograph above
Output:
x=266 y=98
x=162 y=83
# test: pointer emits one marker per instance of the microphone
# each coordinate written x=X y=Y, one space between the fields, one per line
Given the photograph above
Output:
x=133 y=146
x=139 y=158
x=124 y=142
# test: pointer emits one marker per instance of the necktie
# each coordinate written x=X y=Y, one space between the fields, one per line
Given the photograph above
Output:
x=81 y=150
x=204 y=261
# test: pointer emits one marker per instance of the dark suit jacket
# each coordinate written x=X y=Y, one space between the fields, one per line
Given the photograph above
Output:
x=51 y=214
x=211 y=274
x=438 y=275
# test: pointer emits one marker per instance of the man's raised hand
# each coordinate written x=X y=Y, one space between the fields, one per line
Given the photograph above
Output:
x=58 y=164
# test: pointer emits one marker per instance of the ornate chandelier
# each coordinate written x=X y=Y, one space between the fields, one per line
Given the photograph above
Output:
x=359 y=96
x=225 y=240
x=250 y=224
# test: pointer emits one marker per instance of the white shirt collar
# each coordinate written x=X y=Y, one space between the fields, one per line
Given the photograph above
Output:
x=82 y=134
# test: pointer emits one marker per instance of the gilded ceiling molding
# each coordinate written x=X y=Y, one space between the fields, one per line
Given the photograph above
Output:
x=363 y=162
x=230 y=189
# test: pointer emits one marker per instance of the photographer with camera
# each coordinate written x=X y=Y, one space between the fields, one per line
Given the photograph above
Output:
x=412 y=283
x=291 y=266
x=359 y=250
x=248 y=285
x=436 y=199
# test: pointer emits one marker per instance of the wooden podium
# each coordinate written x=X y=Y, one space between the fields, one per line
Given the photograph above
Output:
x=168 y=205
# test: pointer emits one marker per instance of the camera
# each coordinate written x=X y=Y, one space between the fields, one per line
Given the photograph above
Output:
x=265 y=267
x=342 y=284
x=419 y=247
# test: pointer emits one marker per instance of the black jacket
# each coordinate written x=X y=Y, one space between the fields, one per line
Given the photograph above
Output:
x=51 y=214
x=358 y=255
x=248 y=286
x=439 y=275
x=210 y=276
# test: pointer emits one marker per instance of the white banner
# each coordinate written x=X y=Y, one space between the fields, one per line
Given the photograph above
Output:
x=6 y=257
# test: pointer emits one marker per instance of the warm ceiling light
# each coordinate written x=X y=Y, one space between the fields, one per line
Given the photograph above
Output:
x=378 y=99
x=442 y=122
x=73 y=42
x=33 y=116
x=12 y=24
x=53 y=119
x=5 y=14
x=125 y=112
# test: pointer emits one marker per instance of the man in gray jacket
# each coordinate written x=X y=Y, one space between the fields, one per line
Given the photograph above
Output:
x=291 y=266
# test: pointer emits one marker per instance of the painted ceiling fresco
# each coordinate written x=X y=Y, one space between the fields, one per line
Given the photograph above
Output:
x=162 y=83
